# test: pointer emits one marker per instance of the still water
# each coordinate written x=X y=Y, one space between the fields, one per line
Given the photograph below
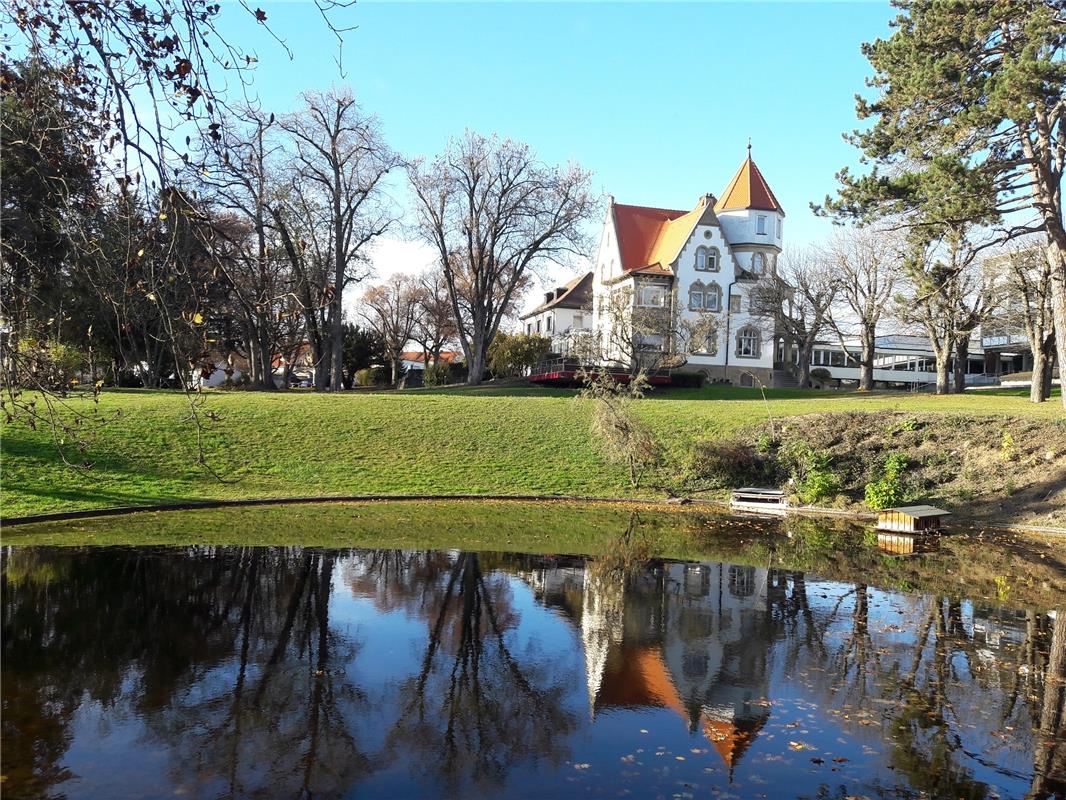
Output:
x=296 y=672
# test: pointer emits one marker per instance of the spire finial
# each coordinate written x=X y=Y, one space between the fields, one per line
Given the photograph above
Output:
x=749 y=147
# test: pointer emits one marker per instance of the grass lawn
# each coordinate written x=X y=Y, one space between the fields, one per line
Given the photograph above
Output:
x=491 y=440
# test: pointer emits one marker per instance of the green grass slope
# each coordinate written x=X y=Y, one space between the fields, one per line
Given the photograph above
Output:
x=491 y=440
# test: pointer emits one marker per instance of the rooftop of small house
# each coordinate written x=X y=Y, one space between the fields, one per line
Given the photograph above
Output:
x=575 y=294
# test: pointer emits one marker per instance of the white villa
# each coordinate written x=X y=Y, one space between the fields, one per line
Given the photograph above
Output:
x=707 y=259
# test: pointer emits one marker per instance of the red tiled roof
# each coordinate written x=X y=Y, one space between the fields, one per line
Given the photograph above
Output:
x=638 y=229
x=446 y=356
x=748 y=189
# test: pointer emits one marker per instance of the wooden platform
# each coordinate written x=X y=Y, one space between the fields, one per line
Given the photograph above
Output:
x=760 y=501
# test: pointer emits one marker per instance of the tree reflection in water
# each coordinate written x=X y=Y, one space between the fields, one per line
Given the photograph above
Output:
x=261 y=671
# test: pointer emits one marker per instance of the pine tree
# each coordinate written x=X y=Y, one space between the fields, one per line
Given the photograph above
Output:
x=969 y=124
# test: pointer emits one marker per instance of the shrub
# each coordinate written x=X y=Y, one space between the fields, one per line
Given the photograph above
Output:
x=623 y=438
x=515 y=354
x=52 y=365
x=889 y=489
x=687 y=380
x=821 y=374
x=439 y=374
x=372 y=376
x=728 y=464
x=820 y=483
x=811 y=472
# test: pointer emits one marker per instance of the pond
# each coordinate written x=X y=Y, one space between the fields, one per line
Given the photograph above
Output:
x=286 y=671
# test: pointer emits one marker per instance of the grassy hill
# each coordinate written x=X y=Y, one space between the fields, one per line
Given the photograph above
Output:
x=487 y=440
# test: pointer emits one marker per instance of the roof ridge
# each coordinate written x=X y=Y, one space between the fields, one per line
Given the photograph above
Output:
x=653 y=208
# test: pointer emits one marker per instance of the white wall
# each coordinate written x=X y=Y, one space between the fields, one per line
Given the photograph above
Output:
x=687 y=274
x=741 y=227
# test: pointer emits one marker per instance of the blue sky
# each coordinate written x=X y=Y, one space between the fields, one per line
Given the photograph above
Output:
x=657 y=100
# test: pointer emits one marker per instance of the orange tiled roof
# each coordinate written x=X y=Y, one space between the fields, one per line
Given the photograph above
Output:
x=446 y=356
x=748 y=189
x=652 y=237
x=639 y=228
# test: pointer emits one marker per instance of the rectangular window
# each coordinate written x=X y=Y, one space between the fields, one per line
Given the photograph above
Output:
x=579 y=321
x=529 y=327
x=760 y=225
x=713 y=301
x=538 y=326
x=734 y=302
x=651 y=296
x=548 y=324
x=779 y=227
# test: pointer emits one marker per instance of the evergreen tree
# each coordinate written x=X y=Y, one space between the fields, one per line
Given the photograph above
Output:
x=969 y=124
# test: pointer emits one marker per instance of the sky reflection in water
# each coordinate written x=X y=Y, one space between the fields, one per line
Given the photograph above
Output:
x=289 y=672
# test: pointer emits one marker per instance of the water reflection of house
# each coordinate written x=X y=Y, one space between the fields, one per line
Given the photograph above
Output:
x=999 y=628
x=687 y=637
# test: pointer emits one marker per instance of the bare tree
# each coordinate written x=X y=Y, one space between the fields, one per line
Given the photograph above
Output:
x=435 y=326
x=494 y=214
x=797 y=299
x=340 y=160
x=949 y=296
x=392 y=310
x=244 y=182
x=1027 y=272
x=866 y=263
x=646 y=338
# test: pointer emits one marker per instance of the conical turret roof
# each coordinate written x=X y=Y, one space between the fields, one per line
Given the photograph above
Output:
x=748 y=189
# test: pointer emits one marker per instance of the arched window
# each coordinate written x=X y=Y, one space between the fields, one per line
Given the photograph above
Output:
x=748 y=342
x=758 y=263
x=707 y=259
x=696 y=296
x=712 y=298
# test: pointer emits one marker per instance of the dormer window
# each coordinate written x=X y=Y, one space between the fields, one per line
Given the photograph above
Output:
x=707 y=259
x=760 y=224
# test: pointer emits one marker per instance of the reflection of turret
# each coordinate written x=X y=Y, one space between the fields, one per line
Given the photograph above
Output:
x=601 y=627
x=732 y=718
x=688 y=637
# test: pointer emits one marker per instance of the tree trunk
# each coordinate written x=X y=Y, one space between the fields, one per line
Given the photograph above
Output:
x=1058 y=306
x=804 y=377
x=943 y=375
x=962 y=360
x=395 y=363
x=321 y=355
x=866 y=364
x=266 y=357
x=337 y=353
x=1049 y=366
x=475 y=362
x=1041 y=383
